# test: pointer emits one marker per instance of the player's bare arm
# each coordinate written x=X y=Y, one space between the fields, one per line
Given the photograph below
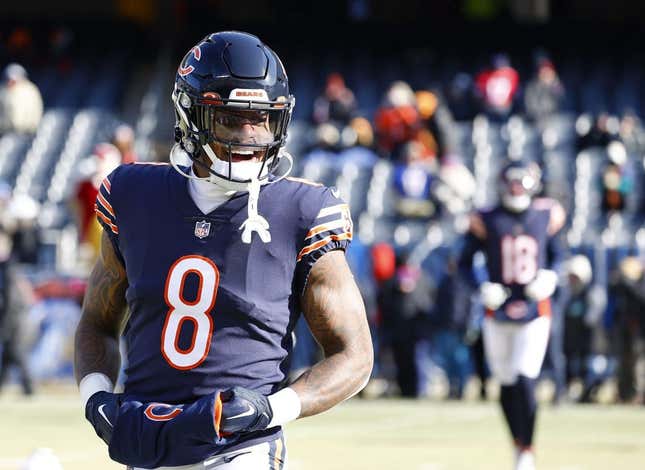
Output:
x=334 y=310
x=476 y=226
x=104 y=307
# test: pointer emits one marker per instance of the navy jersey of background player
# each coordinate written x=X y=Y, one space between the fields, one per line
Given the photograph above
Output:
x=208 y=311
x=516 y=245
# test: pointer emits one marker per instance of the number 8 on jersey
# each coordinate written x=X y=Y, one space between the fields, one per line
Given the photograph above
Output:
x=181 y=310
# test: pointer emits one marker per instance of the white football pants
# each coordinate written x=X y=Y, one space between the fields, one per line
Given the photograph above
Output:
x=514 y=349
x=266 y=456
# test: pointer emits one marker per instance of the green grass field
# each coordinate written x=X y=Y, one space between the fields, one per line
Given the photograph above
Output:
x=367 y=434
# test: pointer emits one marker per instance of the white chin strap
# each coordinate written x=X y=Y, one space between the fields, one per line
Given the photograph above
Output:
x=254 y=221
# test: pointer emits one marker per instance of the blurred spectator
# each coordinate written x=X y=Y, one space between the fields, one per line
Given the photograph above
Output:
x=335 y=115
x=617 y=179
x=21 y=106
x=628 y=287
x=331 y=136
x=123 y=140
x=428 y=105
x=544 y=92
x=337 y=104
x=20 y=42
x=23 y=211
x=398 y=121
x=460 y=97
x=583 y=307
x=383 y=262
x=15 y=294
x=497 y=88
x=55 y=316
x=61 y=40
x=455 y=187
x=362 y=128
x=451 y=318
x=596 y=132
x=632 y=134
x=405 y=303
x=412 y=183
x=105 y=158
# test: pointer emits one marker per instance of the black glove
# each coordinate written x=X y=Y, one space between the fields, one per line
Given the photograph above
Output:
x=244 y=410
x=101 y=411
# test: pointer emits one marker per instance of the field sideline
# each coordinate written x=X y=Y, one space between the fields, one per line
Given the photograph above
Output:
x=367 y=434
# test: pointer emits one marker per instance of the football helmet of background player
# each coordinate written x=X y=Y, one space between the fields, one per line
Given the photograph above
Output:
x=229 y=81
x=519 y=182
x=579 y=272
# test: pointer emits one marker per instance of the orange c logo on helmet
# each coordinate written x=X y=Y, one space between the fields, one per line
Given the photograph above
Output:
x=183 y=71
x=170 y=413
x=197 y=54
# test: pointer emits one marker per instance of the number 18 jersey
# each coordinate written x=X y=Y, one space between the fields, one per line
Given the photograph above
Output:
x=515 y=246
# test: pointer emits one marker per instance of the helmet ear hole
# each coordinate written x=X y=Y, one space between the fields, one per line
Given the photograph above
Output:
x=184 y=101
x=190 y=145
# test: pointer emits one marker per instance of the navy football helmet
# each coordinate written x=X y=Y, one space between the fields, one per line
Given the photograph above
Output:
x=519 y=183
x=232 y=103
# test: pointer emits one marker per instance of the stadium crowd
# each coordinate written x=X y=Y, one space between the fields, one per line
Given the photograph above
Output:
x=412 y=164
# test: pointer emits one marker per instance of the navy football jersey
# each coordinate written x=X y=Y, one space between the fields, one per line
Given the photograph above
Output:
x=516 y=246
x=208 y=311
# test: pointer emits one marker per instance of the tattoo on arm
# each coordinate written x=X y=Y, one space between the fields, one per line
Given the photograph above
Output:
x=334 y=310
x=104 y=306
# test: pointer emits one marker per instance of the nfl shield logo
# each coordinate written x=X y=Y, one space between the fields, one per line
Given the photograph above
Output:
x=202 y=229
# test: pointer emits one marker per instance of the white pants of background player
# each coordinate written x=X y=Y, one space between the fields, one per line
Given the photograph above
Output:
x=266 y=456
x=514 y=349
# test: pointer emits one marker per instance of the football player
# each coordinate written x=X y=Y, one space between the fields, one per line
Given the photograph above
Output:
x=215 y=262
x=520 y=241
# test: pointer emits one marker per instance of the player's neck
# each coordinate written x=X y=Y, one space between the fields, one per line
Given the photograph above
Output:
x=206 y=195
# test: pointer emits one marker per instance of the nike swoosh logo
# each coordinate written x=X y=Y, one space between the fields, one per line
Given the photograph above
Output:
x=102 y=413
x=230 y=459
x=222 y=458
x=248 y=412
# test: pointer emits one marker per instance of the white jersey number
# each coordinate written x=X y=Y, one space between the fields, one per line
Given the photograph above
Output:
x=519 y=259
x=196 y=311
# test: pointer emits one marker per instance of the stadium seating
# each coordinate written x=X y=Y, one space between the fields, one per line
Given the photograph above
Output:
x=85 y=103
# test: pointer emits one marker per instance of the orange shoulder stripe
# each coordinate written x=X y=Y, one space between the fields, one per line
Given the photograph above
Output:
x=107 y=185
x=314 y=246
x=340 y=223
x=105 y=219
x=105 y=204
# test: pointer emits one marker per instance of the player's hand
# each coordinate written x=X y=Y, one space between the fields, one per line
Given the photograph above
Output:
x=244 y=410
x=101 y=411
x=493 y=295
x=543 y=286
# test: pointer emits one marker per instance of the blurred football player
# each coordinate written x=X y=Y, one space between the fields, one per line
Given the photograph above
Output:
x=519 y=239
x=215 y=261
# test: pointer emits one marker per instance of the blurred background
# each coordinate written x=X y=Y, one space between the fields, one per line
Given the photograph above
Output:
x=409 y=108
